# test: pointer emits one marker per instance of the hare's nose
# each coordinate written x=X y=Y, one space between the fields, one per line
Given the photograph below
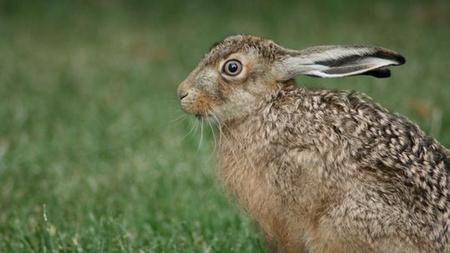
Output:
x=182 y=95
x=183 y=90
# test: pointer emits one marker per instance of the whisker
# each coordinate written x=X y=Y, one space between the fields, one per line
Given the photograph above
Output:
x=222 y=135
x=244 y=152
x=219 y=126
x=190 y=131
x=214 y=135
x=179 y=118
x=201 y=135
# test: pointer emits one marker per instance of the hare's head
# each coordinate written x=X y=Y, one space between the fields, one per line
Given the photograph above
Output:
x=240 y=70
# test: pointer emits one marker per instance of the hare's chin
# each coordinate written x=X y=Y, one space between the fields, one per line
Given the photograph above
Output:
x=207 y=117
x=202 y=115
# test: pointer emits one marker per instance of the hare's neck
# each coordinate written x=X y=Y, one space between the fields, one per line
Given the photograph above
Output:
x=246 y=138
x=240 y=133
x=241 y=145
x=242 y=154
x=244 y=143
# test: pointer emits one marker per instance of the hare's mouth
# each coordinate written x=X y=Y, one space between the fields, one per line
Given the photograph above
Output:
x=203 y=115
x=207 y=116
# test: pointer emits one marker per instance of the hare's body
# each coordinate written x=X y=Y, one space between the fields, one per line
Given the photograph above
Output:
x=321 y=171
x=298 y=166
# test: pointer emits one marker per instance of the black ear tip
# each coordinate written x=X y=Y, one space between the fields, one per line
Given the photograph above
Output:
x=378 y=73
x=401 y=60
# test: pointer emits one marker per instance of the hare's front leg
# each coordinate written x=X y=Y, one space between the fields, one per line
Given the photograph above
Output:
x=287 y=247
x=286 y=242
x=274 y=248
x=324 y=242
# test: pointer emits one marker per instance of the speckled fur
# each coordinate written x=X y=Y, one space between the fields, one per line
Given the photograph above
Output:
x=326 y=171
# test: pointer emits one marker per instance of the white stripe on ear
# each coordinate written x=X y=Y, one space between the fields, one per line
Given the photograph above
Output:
x=362 y=66
x=338 y=61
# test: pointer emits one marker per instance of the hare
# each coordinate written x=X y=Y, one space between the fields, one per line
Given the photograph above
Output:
x=320 y=170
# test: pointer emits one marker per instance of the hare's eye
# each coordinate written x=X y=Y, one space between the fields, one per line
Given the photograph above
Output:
x=232 y=67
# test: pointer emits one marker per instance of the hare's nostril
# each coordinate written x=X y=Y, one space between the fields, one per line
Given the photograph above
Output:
x=183 y=95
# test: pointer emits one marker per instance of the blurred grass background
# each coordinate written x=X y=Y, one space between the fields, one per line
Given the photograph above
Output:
x=94 y=156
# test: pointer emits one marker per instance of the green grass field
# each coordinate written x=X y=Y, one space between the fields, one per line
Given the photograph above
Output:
x=95 y=153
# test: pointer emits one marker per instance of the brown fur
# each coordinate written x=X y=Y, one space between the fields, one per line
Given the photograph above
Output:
x=320 y=170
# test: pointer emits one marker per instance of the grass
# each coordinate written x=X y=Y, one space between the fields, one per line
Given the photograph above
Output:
x=95 y=154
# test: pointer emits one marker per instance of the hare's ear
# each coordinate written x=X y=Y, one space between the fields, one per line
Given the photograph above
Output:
x=337 y=61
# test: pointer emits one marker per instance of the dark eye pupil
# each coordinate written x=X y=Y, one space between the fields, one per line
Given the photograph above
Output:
x=233 y=67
